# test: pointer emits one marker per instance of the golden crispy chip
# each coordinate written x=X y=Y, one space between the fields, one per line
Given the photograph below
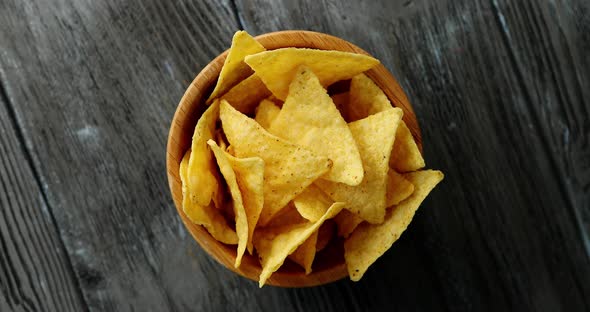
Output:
x=370 y=241
x=289 y=168
x=249 y=178
x=347 y=222
x=266 y=112
x=207 y=216
x=275 y=244
x=312 y=203
x=309 y=118
x=286 y=216
x=234 y=69
x=277 y=67
x=398 y=188
x=247 y=94
x=239 y=211
x=325 y=234
x=305 y=253
x=374 y=136
x=366 y=98
x=202 y=172
x=405 y=156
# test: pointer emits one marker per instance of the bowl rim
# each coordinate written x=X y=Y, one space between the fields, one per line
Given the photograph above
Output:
x=192 y=105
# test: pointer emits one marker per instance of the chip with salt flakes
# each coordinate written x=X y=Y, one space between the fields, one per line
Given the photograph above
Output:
x=370 y=241
x=278 y=67
x=289 y=168
x=309 y=118
x=374 y=137
x=234 y=69
x=275 y=244
x=207 y=216
x=398 y=188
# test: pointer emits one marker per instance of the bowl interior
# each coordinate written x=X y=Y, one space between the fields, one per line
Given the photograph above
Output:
x=329 y=263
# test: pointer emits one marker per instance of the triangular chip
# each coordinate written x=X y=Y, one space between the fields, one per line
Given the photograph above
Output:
x=312 y=203
x=239 y=211
x=305 y=253
x=275 y=244
x=278 y=67
x=266 y=112
x=374 y=136
x=289 y=168
x=247 y=94
x=309 y=118
x=366 y=98
x=325 y=234
x=202 y=172
x=234 y=69
x=370 y=241
x=405 y=156
x=286 y=216
x=347 y=222
x=207 y=216
x=398 y=188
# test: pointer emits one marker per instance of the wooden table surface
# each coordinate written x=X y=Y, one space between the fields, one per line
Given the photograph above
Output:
x=88 y=89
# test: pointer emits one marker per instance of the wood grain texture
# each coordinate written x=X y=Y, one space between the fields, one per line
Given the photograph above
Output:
x=35 y=273
x=500 y=89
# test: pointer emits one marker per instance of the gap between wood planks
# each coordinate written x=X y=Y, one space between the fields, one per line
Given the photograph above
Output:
x=26 y=152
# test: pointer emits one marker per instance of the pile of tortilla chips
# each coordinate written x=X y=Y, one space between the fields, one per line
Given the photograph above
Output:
x=291 y=169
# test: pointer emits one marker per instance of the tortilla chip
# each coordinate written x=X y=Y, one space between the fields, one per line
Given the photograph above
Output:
x=398 y=188
x=289 y=168
x=248 y=175
x=247 y=94
x=369 y=241
x=305 y=253
x=366 y=98
x=266 y=113
x=325 y=234
x=405 y=156
x=286 y=216
x=202 y=172
x=312 y=203
x=207 y=216
x=234 y=69
x=278 y=67
x=275 y=244
x=347 y=222
x=309 y=118
x=374 y=136
x=239 y=211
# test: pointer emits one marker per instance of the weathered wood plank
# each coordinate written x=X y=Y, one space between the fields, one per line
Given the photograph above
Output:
x=94 y=86
x=35 y=273
x=497 y=86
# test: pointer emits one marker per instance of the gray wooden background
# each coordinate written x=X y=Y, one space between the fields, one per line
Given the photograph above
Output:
x=88 y=89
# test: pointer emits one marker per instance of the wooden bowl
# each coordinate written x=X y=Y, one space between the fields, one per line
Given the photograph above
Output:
x=329 y=264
